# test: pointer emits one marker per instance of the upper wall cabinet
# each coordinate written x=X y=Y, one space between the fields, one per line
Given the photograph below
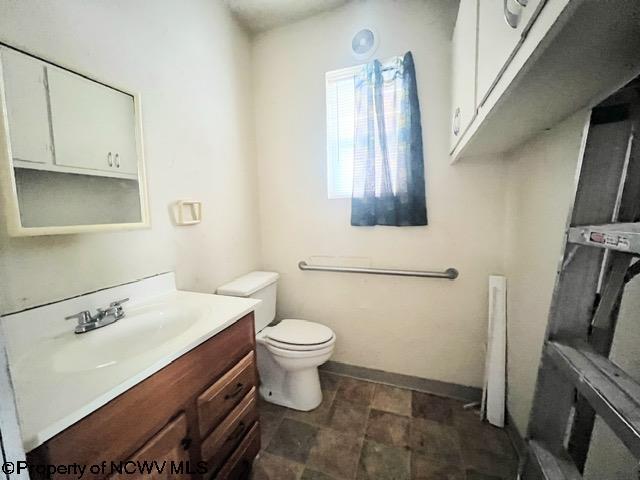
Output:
x=93 y=125
x=538 y=62
x=464 y=69
x=70 y=150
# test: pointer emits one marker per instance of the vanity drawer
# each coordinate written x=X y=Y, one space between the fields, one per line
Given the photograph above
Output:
x=238 y=467
x=217 y=446
x=220 y=398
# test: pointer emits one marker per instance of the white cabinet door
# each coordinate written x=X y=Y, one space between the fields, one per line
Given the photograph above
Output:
x=26 y=99
x=463 y=107
x=93 y=125
x=502 y=24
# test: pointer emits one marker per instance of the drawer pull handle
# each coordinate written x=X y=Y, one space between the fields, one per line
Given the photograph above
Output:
x=235 y=392
x=185 y=443
x=237 y=433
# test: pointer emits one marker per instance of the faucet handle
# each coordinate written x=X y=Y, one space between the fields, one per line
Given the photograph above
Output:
x=81 y=317
x=117 y=303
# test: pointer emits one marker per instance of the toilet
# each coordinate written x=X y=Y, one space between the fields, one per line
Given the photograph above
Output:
x=290 y=352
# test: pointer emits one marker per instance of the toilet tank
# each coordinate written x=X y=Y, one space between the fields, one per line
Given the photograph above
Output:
x=260 y=285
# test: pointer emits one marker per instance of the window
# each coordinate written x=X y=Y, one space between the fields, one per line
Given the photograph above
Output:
x=374 y=143
x=341 y=119
x=342 y=152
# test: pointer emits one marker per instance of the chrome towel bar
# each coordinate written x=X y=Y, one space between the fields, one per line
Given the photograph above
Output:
x=449 y=273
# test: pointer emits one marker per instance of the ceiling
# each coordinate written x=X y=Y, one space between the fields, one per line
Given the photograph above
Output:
x=261 y=15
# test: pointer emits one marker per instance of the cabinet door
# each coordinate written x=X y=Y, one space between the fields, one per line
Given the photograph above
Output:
x=529 y=14
x=463 y=108
x=26 y=99
x=497 y=41
x=91 y=123
x=168 y=447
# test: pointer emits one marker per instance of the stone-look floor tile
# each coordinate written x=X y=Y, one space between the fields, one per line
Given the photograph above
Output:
x=388 y=428
x=489 y=464
x=424 y=468
x=348 y=417
x=432 y=407
x=382 y=462
x=293 y=440
x=329 y=381
x=309 y=474
x=486 y=437
x=392 y=399
x=269 y=423
x=356 y=391
x=264 y=406
x=473 y=475
x=335 y=453
x=469 y=418
x=437 y=441
x=270 y=467
x=320 y=415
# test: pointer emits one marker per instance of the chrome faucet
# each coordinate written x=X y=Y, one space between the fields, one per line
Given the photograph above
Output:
x=102 y=318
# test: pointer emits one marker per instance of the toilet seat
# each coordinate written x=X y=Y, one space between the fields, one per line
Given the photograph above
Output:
x=298 y=335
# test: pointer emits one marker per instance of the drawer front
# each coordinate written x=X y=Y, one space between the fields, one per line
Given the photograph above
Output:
x=217 y=447
x=238 y=467
x=219 y=399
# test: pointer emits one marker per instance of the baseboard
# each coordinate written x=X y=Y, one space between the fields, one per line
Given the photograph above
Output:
x=436 y=387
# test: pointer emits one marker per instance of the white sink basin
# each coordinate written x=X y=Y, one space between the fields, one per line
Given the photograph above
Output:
x=143 y=328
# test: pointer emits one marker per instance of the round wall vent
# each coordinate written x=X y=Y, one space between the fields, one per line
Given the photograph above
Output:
x=364 y=43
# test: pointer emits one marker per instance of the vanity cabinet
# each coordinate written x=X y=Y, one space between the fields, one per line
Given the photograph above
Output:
x=93 y=125
x=25 y=87
x=199 y=414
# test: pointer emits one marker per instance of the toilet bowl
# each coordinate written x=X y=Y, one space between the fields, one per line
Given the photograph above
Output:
x=289 y=352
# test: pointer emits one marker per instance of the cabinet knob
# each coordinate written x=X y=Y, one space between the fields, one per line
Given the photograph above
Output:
x=512 y=18
x=117 y=160
x=110 y=159
x=456 y=122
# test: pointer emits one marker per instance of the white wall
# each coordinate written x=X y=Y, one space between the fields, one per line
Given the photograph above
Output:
x=191 y=64
x=540 y=187
x=425 y=327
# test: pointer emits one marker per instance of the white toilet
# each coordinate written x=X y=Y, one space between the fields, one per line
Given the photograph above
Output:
x=290 y=352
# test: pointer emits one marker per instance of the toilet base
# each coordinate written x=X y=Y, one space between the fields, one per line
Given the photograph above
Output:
x=299 y=390
x=295 y=389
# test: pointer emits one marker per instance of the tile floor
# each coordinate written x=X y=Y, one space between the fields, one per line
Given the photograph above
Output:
x=364 y=430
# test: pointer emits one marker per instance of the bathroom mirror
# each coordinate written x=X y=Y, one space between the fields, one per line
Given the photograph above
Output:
x=71 y=157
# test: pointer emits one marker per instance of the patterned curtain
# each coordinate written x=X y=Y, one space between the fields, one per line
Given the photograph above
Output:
x=388 y=180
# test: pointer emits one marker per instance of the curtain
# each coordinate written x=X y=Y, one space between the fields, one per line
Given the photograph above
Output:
x=388 y=174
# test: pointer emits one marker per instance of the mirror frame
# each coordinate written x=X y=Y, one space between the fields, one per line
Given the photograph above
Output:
x=11 y=207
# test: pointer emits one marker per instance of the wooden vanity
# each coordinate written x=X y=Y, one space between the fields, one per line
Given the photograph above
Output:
x=199 y=414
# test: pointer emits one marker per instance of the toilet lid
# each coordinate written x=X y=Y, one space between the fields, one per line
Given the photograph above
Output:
x=300 y=332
